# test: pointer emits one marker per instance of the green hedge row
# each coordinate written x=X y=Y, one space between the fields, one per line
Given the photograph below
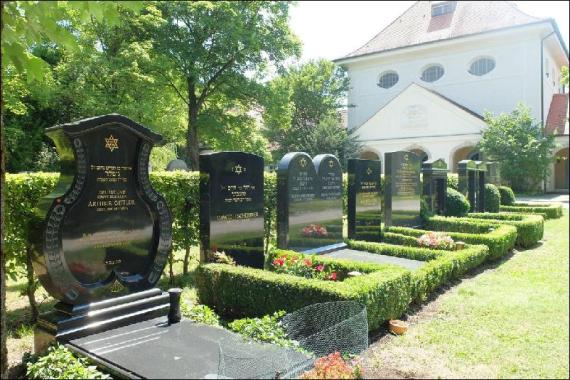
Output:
x=549 y=210
x=386 y=290
x=500 y=238
x=530 y=228
x=240 y=291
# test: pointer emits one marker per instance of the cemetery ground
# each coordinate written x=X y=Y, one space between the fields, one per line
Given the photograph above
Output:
x=507 y=319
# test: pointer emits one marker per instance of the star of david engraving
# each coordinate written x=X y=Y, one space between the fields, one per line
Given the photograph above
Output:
x=111 y=143
x=238 y=169
x=303 y=162
x=331 y=163
x=368 y=171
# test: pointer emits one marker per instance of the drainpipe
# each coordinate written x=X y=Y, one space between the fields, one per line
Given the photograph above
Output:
x=542 y=93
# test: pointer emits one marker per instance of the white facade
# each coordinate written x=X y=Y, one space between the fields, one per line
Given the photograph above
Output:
x=382 y=117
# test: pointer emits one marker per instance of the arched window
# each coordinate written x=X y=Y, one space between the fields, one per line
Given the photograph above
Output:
x=388 y=79
x=482 y=66
x=432 y=73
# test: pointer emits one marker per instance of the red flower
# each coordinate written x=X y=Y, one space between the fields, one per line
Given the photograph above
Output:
x=308 y=262
x=332 y=277
x=280 y=261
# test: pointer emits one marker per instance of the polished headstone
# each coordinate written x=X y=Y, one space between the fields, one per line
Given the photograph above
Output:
x=364 y=199
x=467 y=181
x=493 y=175
x=176 y=165
x=434 y=185
x=309 y=202
x=480 y=184
x=104 y=231
x=231 y=206
x=402 y=192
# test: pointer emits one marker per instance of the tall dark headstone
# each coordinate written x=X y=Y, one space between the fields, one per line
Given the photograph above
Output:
x=231 y=206
x=309 y=203
x=402 y=192
x=364 y=200
x=467 y=184
x=435 y=185
x=493 y=175
x=480 y=184
x=103 y=232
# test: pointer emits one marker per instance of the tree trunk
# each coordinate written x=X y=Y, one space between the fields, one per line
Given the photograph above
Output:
x=171 y=267
x=31 y=286
x=186 y=261
x=3 y=332
x=192 y=143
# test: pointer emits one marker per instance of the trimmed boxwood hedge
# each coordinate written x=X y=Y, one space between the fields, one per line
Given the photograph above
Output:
x=500 y=238
x=549 y=210
x=455 y=203
x=492 y=198
x=507 y=196
x=240 y=291
x=530 y=228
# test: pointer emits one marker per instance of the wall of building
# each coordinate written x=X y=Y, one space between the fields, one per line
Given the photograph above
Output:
x=515 y=78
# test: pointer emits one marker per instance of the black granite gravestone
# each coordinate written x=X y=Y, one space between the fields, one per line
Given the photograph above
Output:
x=103 y=232
x=309 y=215
x=231 y=207
x=364 y=200
x=480 y=184
x=402 y=192
x=176 y=165
x=493 y=175
x=434 y=185
x=467 y=181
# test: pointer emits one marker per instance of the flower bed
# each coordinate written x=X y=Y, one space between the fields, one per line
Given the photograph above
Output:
x=436 y=240
x=549 y=210
x=530 y=228
x=235 y=291
x=305 y=267
x=500 y=238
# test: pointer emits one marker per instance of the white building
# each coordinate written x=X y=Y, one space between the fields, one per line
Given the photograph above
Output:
x=424 y=82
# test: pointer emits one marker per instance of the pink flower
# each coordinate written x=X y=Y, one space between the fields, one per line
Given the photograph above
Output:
x=332 y=277
x=320 y=267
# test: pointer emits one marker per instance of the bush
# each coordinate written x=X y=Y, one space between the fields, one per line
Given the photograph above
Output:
x=267 y=329
x=492 y=198
x=239 y=291
x=530 y=228
x=453 y=181
x=441 y=267
x=500 y=238
x=60 y=363
x=549 y=211
x=455 y=203
x=507 y=196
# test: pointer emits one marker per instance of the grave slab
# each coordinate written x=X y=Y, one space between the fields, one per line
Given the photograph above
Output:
x=153 y=349
x=367 y=257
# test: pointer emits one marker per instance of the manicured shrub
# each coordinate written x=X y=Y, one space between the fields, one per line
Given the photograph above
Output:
x=412 y=252
x=60 y=363
x=549 y=211
x=530 y=228
x=453 y=181
x=500 y=238
x=507 y=196
x=455 y=203
x=239 y=291
x=492 y=198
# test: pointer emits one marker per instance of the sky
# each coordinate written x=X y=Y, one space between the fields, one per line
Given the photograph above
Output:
x=332 y=29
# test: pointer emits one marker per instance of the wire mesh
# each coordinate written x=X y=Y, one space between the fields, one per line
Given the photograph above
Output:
x=317 y=330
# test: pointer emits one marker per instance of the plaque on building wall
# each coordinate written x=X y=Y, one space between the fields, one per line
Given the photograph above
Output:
x=414 y=116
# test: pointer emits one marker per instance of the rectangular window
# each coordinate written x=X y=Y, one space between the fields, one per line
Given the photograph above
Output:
x=441 y=8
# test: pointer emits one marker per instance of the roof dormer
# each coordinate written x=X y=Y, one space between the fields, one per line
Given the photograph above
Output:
x=440 y=8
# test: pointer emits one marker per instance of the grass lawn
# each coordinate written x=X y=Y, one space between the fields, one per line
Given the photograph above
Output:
x=510 y=321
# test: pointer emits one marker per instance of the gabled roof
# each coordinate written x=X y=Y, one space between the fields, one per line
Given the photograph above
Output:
x=430 y=91
x=557 y=120
x=416 y=25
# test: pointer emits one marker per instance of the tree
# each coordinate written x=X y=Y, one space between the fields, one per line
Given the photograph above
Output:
x=302 y=110
x=564 y=75
x=520 y=145
x=213 y=47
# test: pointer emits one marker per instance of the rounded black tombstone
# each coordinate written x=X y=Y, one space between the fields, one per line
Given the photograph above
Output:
x=103 y=229
x=176 y=165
